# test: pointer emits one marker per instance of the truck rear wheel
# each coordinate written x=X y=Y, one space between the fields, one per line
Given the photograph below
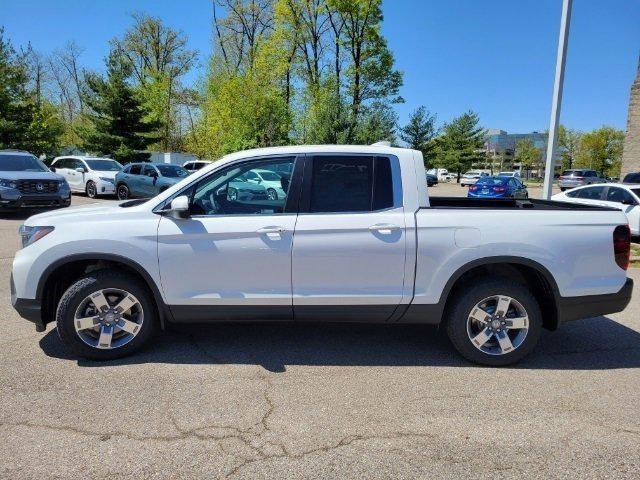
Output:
x=106 y=314
x=494 y=322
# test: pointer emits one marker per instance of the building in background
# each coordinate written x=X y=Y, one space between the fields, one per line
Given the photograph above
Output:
x=631 y=152
x=501 y=148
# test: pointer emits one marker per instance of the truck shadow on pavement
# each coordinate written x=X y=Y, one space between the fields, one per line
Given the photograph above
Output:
x=594 y=344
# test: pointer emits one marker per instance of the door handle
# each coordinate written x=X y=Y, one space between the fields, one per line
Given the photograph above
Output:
x=268 y=230
x=385 y=228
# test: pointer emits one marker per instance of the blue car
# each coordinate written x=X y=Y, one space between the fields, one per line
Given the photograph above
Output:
x=147 y=179
x=498 y=187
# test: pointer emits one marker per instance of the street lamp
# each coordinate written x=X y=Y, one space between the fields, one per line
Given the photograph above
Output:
x=556 y=101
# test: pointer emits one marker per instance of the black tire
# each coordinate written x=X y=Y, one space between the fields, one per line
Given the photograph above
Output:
x=467 y=298
x=562 y=189
x=232 y=194
x=90 y=283
x=272 y=194
x=91 y=190
x=123 y=192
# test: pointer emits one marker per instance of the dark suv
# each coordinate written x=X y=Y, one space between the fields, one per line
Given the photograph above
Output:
x=26 y=182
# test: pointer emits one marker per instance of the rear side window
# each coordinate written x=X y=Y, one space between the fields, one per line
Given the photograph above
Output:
x=350 y=184
x=135 y=169
x=619 y=195
x=590 y=193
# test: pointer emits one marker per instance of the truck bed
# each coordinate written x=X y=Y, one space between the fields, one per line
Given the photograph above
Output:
x=508 y=203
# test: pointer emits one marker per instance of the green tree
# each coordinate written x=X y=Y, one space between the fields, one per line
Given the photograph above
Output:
x=419 y=133
x=157 y=57
x=27 y=120
x=461 y=142
x=118 y=117
x=569 y=143
x=601 y=150
x=527 y=155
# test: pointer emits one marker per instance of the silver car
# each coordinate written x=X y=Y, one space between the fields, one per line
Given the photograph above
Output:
x=579 y=177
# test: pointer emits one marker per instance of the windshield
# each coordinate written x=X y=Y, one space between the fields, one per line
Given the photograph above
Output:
x=269 y=176
x=21 y=163
x=492 y=181
x=173 y=171
x=104 y=165
x=506 y=174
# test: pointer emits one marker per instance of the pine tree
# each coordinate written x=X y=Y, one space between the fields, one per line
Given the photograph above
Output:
x=419 y=133
x=460 y=145
x=117 y=115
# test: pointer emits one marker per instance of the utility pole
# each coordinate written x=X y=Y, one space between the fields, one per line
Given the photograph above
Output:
x=556 y=102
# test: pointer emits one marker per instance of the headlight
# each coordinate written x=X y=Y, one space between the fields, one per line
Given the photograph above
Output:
x=8 y=183
x=106 y=179
x=30 y=235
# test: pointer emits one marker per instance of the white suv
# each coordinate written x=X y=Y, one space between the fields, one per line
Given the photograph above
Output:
x=91 y=175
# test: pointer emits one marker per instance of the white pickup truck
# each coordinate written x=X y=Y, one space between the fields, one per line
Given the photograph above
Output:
x=356 y=238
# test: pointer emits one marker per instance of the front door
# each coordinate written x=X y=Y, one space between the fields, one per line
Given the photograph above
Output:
x=231 y=259
x=349 y=246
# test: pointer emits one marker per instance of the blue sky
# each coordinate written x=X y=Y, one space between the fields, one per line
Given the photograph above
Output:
x=496 y=57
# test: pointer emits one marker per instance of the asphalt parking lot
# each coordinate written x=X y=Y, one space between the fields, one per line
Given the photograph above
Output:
x=318 y=401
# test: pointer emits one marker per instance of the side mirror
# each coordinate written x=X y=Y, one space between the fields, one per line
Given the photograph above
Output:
x=628 y=202
x=80 y=170
x=179 y=207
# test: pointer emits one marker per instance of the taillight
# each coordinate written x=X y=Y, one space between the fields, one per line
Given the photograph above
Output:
x=622 y=245
x=473 y=188
x=499 y=189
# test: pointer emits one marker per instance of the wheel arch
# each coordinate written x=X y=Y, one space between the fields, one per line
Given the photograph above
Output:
x=524 y=270
x=60 y=274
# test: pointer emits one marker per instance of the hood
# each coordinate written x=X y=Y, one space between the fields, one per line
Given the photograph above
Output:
x=105 y=173
x=30 y=176
x=73 y=213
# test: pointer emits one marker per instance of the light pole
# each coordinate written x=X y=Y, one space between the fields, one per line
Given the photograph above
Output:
x=557 y=98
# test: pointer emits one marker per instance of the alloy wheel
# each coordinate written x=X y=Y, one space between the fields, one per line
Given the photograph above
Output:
x=108 y=318
x=123 y=192
x=497 y=325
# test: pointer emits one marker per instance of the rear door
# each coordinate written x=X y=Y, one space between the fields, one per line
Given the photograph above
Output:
x=349 y=247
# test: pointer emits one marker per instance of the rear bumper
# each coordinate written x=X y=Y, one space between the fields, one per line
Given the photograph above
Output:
x=576 y=308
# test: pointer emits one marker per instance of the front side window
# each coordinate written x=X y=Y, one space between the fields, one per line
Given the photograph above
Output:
x=227 y=192
x=344 y=183
x=591 y=193
x=149 y=171
x=172 y=171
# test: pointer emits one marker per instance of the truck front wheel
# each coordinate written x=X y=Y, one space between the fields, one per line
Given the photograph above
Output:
x=106 y=314
x=494 y=322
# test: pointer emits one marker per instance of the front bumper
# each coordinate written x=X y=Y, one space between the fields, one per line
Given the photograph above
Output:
x=106 y=188
x=34 y=201
x=28 y=308
x=576 y=308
